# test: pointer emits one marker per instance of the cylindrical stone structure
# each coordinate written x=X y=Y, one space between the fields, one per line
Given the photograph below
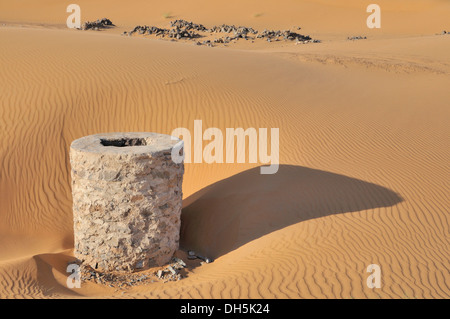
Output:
x=127 y=198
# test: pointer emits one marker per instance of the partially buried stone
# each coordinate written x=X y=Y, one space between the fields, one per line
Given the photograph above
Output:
x=191 y=255
x=205 y=259
x=179 y=262
x=170 y=268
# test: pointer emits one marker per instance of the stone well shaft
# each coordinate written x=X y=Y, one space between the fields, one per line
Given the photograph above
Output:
x=127 y=200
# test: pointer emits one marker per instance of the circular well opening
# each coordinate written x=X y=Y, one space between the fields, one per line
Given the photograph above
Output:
x=123 y=142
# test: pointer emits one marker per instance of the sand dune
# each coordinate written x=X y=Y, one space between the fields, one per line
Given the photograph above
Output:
x=363 y=145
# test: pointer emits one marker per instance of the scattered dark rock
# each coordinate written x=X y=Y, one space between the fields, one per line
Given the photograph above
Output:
x=191 y=253
x=239 y=32
x=182 y=29
x=357 y=38
x=175 y=33
x=112 y=279
x=125 y=280
x=205 y=259
x=173 y=271
x=183 y=24
x=178 y=263
x=286 y=35
x=98 y=24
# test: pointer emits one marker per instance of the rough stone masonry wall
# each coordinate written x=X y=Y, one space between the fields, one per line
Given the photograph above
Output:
x=126 y=200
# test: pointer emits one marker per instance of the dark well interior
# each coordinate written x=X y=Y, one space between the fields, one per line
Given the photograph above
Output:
x=122 y=142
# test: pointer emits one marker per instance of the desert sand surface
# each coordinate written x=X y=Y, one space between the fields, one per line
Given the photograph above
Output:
x=364 y=144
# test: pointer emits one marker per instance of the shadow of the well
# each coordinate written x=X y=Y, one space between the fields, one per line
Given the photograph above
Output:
x=246 y=206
